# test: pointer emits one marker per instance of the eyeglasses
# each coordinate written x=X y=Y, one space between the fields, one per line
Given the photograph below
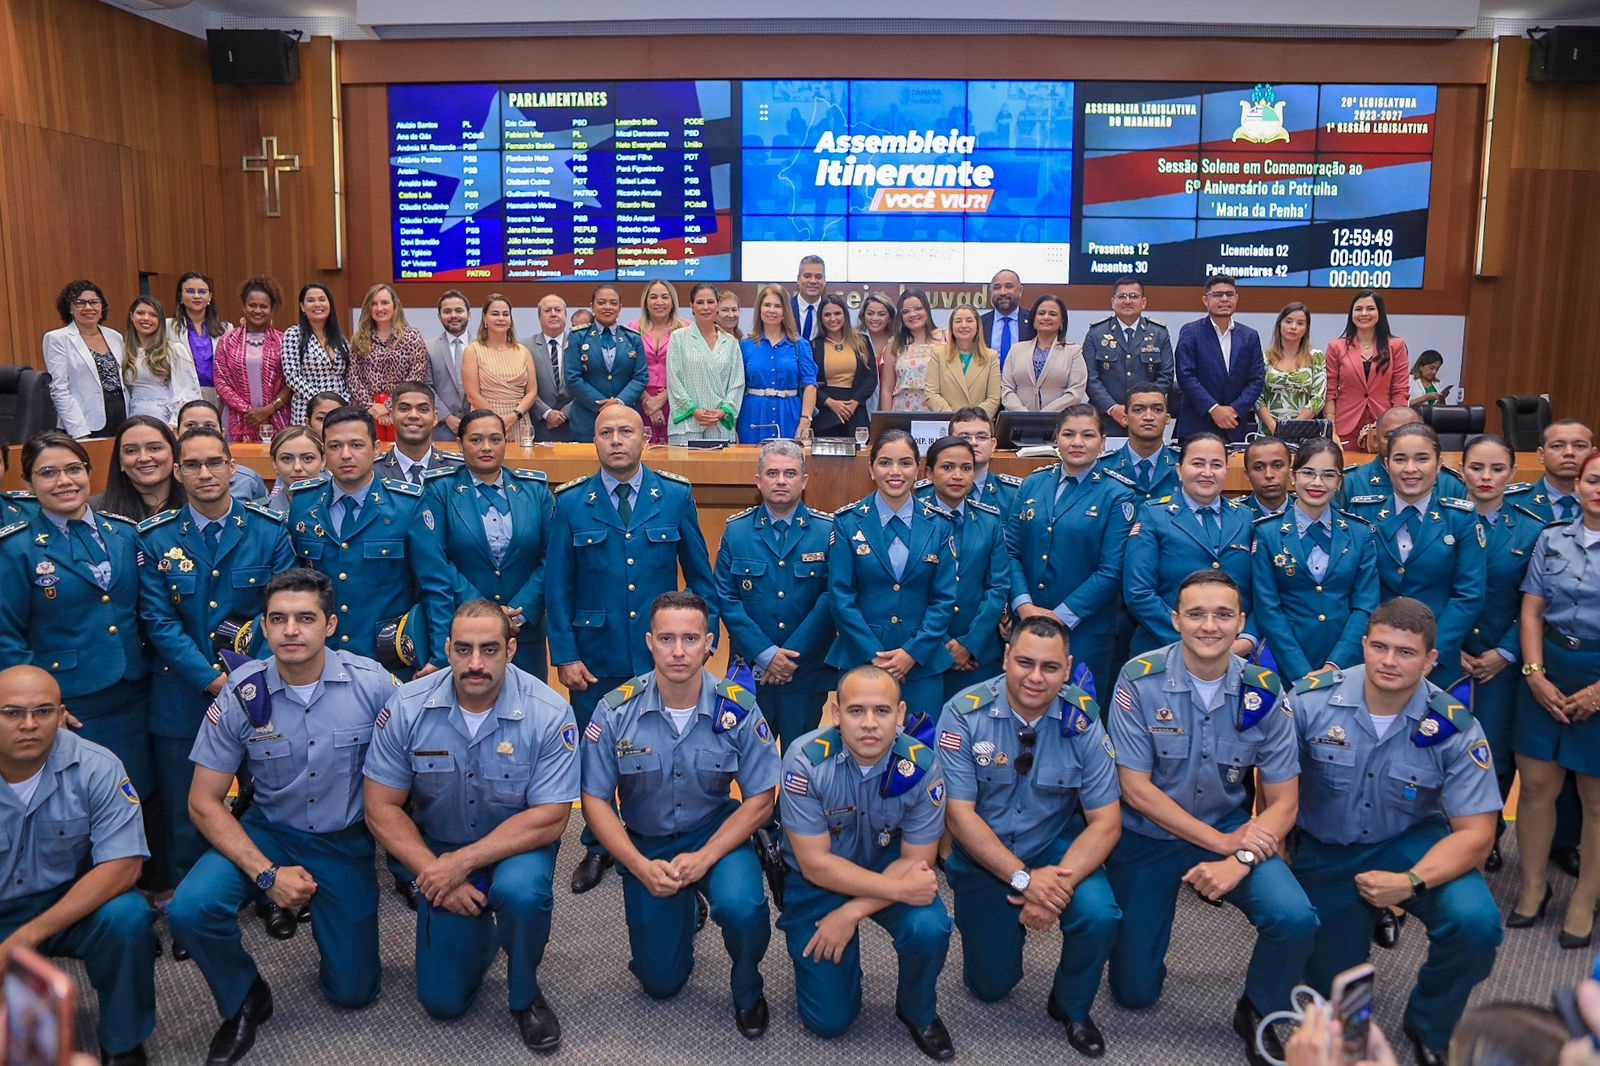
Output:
x=1129 y=296
x=51 y=473
x=1330 y=476
x=194 y=466
x=1028 y=736
x=976 y=438
x=86 y=304
x=1222 y=295
x=15 y=715
x=1198 y=616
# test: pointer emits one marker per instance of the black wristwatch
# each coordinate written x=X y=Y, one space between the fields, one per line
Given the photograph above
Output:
x=1418 y=885
x=267 y=878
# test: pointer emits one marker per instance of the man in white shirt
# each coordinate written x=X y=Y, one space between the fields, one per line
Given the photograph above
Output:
x=553 y=408
x=444 y=363
x=809 y=283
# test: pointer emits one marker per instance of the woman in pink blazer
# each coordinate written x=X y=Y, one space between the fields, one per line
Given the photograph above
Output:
x=249 y=367
x=1369 y=371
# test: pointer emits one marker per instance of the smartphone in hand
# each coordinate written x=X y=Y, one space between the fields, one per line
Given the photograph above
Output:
x=1351 y=1003
x=39 y=1001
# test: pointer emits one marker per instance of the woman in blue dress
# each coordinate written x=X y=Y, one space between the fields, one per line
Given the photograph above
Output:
x=780 y=375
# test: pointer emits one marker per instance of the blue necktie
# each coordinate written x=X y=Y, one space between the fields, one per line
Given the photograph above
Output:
x=86 y=548
x=897 y=529
x=1212 y=524
x=347 y=508
x=211 y=535
x=1006 y=338
x=1068 y=483
x=781 y=531
x=1319 y=535
x=810 y=320
x=492 y=498
x=1568 y=507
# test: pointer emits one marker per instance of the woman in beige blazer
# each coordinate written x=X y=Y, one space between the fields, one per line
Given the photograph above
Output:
x=1046 y=373
x=966 y=372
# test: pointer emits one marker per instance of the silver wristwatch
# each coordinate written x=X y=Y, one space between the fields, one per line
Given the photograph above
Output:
x=1247 y=857
x=1020 y=881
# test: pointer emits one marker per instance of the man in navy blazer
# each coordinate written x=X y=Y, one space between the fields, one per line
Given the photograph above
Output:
x=1221 y=371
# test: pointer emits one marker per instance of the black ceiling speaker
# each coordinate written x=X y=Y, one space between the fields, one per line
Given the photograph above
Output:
x=254 y=57
x=1566 y=53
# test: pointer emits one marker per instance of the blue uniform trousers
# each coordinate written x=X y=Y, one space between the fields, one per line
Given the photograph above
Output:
x=117 y=945
x=1147 y=875
x=453 y=952
x=583 y=705
x=661 y=931
x=204 y=912
x=828 y=994
x=992 y=937
x=1461 y=917
x=118 y=717
x=184 y=844
x=791 y=712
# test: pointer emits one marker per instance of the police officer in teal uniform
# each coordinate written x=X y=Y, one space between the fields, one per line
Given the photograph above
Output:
x=413 y=456
x=301 y=721
x=378 y=540
x=862 y=806
x=1021 y=754
x=772 y=585
x=1197 y=528
x=71 y=603
x=1266 y=465
x=1147 y=461
x=73 y=849
x=892 y=576
x=1125 y=349
x=1314 y=571
x=205 y=572
x=1371 y=478
x=672 y=742
x=977 y=540
x=1431 y=546
x=618 y=540
x=1066 y=541
x=1563 y=446
x=1192 y=722
x=246 y=485
x=1397 y=808
x=976 y=426
x=494 y=524
x=487 y=755
x=605 y=363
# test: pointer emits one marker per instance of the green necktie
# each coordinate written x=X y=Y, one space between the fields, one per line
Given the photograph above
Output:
x=624 y=508
x=1212 y=524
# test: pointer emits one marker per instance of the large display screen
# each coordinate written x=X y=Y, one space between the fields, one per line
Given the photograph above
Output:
x=916 y=181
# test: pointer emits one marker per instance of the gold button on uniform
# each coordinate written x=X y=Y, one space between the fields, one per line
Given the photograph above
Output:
x=111 y=629
x=344 y=577
x=1322 y=618
x=344 y=640
x=897 y=588
x=633 y=614
x=212 y=605
x=107 y=599
x=1216 y=565
x=216 y=573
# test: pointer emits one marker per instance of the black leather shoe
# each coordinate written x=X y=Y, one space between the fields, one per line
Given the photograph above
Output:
x=179 y=952
x=1085 y=1036
x=280 y=922
x=237 y=1035
x=1518 y=920
x=136 y=1057
x=933 y=1039
x=1426 y=1056
x=1566 y=860
x=1246 y=1020
x=303 y=915
x=1386 y=928
x=1495 y=862
x=590 y=870
x=751 y=1021
x=1569 y=942
x=407 y=891
x=702 y=909
x=539 y=1028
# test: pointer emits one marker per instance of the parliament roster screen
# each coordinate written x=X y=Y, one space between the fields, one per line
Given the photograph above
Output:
x=916 y=181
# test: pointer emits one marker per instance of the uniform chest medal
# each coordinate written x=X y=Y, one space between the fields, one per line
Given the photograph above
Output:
x=884 y=836
x=46 y=577
x=983 y=752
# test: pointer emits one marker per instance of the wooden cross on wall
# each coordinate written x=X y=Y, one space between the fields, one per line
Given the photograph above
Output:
x=270 y=165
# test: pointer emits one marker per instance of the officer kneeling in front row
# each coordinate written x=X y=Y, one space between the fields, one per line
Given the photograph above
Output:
x=487 y=754
x=672 y=742
x=301 y=721
x=71 y=848
x=863 y=811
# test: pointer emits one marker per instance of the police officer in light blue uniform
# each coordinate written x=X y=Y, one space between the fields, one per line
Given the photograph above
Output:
x=73 y=843
x=1563 y=445
x=1314 y=571
x=1196 y=529
x=1371 y=478
x=1397 y=807
x=1147 y=461
x=1022 y=753
x=379 y=542
x=206 y=569
x=487 y=756
x=605 y=363
x=672 y=742
x=1066 y=541
x=1431 y=547
x=301 y=722
x=494 y=525
x=772 y=584
x=977 y=541
x=1192 y=722
x=892 y=579
x=863 y=792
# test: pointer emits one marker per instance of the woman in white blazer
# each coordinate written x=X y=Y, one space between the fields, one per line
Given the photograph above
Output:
x=1046 y=373
x=85 y=363
x=157 y=370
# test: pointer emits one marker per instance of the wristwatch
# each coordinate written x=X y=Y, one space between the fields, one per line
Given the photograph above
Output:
x=1020 y=881
x=267 y=878
x=1418 y=885
x=1529 y=669
x=1246 y=857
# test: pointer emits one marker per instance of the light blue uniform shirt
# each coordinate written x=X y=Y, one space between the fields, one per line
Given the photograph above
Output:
x=461 y=786
x=899 y=551
x=83 y=814
x=1316 y=558
x=669 y=783
x=497 y=527
x=307 y=759
x=1566 y=575
x=978 y=749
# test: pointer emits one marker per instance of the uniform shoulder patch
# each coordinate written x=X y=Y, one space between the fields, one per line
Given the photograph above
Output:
x=824 y=746
x=1155 y=321
x=1120 y=478
x=526 y=475
x=1262 y=690
x=1144 y=666
x=909 y=761
x=118 y=517
x=624 y=692
x=923 y=484
x=310 y=482
x=15 y=527
x=266 y=512
x=986 y=508
x=559 y=489
x=823 y=515
x=1534 y=516
x=1351 y=516
x=1233 y=504
x=746 y=513
x=1378 y=498
x=1164 y=499
x=1518 y=489
x=734 y=704
x=1318 y=679
x=846 y=508
x=1261 y=677
x=1101 y=322
x=1080 y=713
x=434 y=473
x=670 y=476
x=1008 y=479
x=158 y=519
x=1446 y=716
x=1265 y=518
x=977 y=697
x=404 y=488
x=1455 y=504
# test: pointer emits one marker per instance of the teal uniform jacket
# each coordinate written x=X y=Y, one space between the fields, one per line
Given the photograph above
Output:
x=982 y=576
x=1538 y=499
x=183 y=606
x=1446 y=568
x=603 y=576
x=590 y=383
x=998 y=491
x=518 y=579
x=1510 y=543
x=1308 y=623
x=385 y=564
x=1166 y=545
x=1115 y=366
x=54 y=615
x=16 y=506
x=872 y=609
x=773 y=597
x=1259 y=510
x=1162 y=481
x=1371 y=478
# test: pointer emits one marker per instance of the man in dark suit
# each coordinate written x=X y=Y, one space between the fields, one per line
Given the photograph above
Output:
x=810 y=283
x=1220 y=368
x=1009 y=322
x=413 y=454
x=444 y=363
x=552 y=411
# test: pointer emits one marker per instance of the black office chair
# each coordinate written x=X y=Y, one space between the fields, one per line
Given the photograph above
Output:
x=25 y=404
x=1523 y=419
x=1455 y=424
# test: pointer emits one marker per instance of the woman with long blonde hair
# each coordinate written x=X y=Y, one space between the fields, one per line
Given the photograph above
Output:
x=967 y=371
x=157 y=367
x=384 y=351
x=658 y=319
x=497 y=370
